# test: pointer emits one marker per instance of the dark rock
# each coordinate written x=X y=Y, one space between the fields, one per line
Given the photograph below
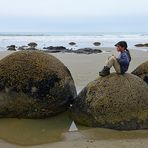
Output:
x=34 y=84
x=142 y=45
x=142 y=71
x=139 y=45
x=27 y=48
x=22 y=47
x=52 y=49
x=55 y=49
x=87 y=51
x=32 y=44
x=146 y=44
x=97 y=43
x=115 y=101
x=11 y=47
x=72 y=43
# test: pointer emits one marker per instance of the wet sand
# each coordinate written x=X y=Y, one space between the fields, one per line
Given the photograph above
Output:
x=82 y=142
x=54 y=133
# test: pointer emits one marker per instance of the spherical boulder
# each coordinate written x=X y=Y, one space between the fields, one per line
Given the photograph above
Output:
x=142 y=71
x=11 y=48
x=34 y=84
x=115 y=101
x=72 y=43
x=96 y=43
x=32 y=46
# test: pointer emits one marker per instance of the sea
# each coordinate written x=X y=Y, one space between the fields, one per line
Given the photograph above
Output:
x=82 y=40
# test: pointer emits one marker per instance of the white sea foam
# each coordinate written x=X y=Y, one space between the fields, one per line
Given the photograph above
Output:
x=84 y=40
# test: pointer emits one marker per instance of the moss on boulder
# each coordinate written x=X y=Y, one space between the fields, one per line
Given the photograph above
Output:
x=115 y=101
x=142 y=71
x=34 y=84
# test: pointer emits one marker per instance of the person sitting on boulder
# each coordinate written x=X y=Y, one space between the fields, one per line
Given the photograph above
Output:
x=121 y=63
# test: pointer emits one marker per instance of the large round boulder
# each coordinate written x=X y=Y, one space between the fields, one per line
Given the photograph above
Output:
x=115 y=101
x=142 y=71
x=34 y=84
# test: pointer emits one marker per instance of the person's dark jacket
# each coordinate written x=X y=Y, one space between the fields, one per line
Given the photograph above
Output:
x=124 y=61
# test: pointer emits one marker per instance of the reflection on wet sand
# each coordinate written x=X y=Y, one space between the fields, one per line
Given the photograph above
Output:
x=27 y=132
x=34 y=132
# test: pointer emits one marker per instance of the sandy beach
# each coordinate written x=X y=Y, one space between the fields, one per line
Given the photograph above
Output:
x=85 y=68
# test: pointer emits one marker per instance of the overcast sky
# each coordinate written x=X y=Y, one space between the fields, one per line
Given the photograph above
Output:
x=73 y=15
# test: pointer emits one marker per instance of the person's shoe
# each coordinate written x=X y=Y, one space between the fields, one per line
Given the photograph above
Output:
x=105 y=71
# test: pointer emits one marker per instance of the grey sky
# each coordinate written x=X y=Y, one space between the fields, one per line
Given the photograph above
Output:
x=74 y=15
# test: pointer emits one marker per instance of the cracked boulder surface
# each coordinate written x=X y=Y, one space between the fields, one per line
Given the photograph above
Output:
x=142 y=71
x=116 y=101
x=34 y=84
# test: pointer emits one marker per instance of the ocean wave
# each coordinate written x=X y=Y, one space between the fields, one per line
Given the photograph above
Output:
x=48 y=39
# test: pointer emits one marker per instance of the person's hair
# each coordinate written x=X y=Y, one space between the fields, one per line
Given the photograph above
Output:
x=124 y=44
x=128 y=54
